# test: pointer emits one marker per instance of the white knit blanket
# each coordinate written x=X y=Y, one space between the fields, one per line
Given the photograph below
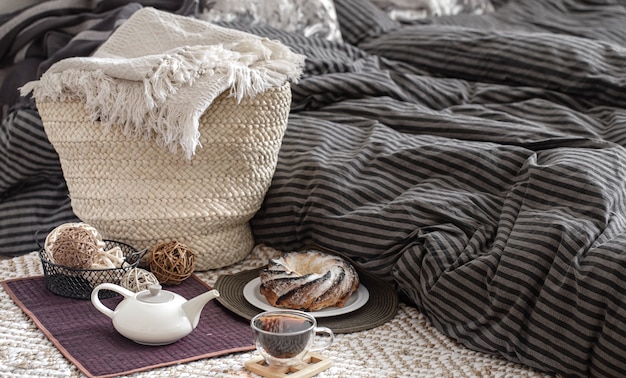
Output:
x=159 y=72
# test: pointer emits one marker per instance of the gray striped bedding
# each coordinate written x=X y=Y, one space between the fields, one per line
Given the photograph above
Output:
x=476 y=162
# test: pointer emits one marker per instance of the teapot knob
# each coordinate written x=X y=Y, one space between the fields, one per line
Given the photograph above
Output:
x=155 y=289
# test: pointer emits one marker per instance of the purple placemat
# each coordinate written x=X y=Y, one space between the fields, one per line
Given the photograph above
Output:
x=87 y=337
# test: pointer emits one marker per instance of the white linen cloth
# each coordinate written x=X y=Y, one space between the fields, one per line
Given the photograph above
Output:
x=158 y=73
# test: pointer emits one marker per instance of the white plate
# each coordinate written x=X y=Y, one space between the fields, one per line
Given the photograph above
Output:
x=255 y=298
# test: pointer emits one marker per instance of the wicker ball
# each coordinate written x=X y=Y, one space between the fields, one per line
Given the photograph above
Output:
x=74 y=247
x=138 y=279
x=171 y=262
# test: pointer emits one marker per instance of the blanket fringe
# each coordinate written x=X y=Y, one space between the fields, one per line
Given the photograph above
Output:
x=248 y=67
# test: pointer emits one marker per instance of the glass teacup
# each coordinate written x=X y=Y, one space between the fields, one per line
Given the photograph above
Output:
x=284 y=337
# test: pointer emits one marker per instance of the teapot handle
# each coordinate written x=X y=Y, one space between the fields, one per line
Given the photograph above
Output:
x=108 y=286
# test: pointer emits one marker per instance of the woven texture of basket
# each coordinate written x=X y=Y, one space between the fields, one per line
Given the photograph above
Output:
x=135 y=191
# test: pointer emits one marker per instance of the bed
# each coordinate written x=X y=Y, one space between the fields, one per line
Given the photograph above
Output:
x=476 y=161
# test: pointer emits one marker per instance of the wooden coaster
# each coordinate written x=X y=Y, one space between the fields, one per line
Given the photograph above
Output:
x=312 y=364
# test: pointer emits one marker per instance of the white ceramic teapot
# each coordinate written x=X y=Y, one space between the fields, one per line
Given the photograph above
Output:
x=153 y=316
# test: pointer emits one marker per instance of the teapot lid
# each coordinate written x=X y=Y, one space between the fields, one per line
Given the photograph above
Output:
x=154 y=294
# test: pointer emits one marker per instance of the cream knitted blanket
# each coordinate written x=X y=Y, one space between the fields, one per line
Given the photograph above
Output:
x=159 y=72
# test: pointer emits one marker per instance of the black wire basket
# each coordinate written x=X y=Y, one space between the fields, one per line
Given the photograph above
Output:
x=79 y=283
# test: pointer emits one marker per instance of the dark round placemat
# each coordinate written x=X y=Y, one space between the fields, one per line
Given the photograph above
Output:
x=381 y=306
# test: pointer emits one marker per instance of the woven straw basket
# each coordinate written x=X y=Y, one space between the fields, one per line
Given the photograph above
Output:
x=137 y=192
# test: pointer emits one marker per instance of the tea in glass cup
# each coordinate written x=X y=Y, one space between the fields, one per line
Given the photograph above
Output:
x=283 y=337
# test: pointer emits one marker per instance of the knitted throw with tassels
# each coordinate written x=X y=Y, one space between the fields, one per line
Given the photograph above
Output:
x=159 y=72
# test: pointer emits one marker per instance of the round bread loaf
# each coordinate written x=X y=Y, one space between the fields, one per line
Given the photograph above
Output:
x=308 y=280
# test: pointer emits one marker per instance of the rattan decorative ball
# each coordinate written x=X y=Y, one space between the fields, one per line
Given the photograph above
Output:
x=74 y=247
x=138 y=279
x=171 y=262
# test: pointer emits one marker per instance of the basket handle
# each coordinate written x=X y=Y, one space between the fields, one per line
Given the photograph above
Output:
x=37 y=238
x=135 y=256
x=108 y=286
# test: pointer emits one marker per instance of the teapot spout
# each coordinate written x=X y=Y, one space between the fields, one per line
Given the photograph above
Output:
x=193 y=307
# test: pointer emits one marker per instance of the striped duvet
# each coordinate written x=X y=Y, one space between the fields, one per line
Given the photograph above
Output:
x=478 y=163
